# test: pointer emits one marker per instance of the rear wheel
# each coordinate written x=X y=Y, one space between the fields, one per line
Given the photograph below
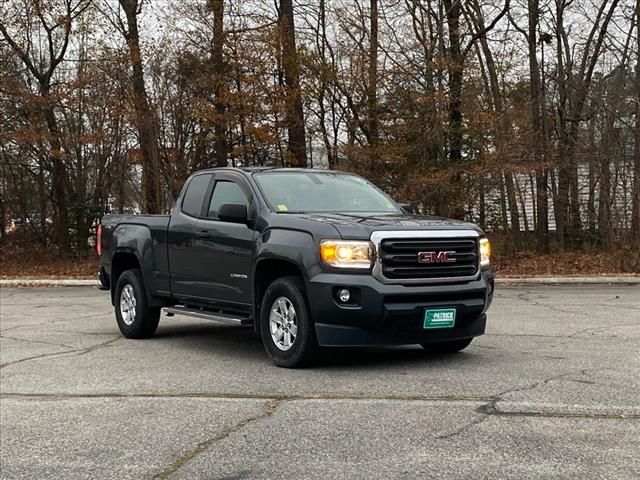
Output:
x=286 y=327
x=136 y=319
x=447 y=347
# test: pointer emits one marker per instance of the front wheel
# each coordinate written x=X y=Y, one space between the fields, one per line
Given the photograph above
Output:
x=447 y=347
x=136 y=319
x=286 y=327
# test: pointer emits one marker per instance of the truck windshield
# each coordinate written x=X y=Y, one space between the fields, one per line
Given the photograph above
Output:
x=313 y=192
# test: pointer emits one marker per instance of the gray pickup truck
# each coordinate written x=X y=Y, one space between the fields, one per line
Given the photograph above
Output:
x=307 y=258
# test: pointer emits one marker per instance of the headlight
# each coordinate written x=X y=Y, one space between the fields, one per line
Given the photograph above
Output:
x=346 y=253
x=485 y=252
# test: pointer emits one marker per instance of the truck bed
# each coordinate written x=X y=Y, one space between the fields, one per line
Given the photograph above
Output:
x=144 y=236
x=151 y=221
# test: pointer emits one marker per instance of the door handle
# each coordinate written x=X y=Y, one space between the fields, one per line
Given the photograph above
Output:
x=203 y=233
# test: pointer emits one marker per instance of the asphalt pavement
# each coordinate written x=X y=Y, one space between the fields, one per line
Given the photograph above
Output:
x=551 y=392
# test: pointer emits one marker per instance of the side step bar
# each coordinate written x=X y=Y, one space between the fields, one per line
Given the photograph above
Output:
x=208 y=315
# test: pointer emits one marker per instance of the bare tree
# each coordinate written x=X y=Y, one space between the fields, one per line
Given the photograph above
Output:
x=542 y=201
x=635 y=219
x=219 y=79
x=145 y=118
x=297 y=145
x=20 y=26
x=427 y=99
x=456 y=56
x=372 y=90
x=504 y=126
x=574 y=88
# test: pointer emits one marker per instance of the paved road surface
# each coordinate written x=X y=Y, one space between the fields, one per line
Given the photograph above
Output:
x=552 y=391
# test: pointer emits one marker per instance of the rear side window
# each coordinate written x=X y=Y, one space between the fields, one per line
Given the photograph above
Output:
x=225 y=192
x=194 y=196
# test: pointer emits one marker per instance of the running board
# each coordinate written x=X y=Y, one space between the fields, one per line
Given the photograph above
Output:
x=207 y=315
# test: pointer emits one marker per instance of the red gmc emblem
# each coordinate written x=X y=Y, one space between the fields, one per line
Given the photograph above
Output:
x=437 y=257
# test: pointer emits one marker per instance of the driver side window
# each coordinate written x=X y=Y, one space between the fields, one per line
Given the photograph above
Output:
x=225 y=192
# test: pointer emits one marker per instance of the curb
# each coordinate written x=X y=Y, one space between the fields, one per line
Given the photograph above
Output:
x=610 y=280
x=49 y=282
x=604 y=280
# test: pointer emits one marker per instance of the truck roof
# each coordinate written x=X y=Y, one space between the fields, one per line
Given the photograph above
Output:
x=251 y=170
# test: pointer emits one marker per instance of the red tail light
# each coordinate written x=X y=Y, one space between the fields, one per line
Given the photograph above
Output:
x=99 y=240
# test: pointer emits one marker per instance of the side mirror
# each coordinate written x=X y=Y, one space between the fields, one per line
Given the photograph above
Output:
x=233 y=212
x=407 y=207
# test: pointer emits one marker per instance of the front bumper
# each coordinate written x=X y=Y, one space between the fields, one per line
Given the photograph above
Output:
x=385 y=314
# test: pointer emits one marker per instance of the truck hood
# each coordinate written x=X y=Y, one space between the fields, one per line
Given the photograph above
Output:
x=360 y=226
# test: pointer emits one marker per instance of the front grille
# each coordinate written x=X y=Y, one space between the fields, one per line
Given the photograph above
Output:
x=399 y=258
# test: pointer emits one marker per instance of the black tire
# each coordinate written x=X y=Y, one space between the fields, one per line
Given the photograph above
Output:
x=447 y=347
x=304 y=347
x=145 y=319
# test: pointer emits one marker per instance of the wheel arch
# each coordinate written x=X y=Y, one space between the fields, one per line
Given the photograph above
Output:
x=268 y=270
x=122 y=261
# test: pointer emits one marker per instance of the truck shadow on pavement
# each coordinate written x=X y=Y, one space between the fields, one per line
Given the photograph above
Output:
x=393 y=355
x=246 y=346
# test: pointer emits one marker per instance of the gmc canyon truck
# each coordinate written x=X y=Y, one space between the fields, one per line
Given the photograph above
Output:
x=307 y=258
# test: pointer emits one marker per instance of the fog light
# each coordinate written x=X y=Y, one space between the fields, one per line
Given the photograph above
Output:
x=344 y=295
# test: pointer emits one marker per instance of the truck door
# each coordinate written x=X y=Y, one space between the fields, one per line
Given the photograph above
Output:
x=224 y=250
x=182 y=234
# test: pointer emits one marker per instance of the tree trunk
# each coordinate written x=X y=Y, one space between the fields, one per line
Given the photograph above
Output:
x=561 y=200
x=296 y=146
x=604 y=202
x=321 y=41
x=144 y=116
x=542 y=212
x=42 y=201
x=3 y=208
x=503 y=207
x=514 y=214
x=502 y=131
x=58 y=176
x=524 y=208
x=635 y=219
x=591 y=200
x=372 y=93
x=219 y=100
x=455 y=72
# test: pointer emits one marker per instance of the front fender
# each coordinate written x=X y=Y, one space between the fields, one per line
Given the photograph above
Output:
x=293 y=246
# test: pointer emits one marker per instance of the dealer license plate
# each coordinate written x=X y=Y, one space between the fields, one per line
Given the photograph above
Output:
x=439 y=318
